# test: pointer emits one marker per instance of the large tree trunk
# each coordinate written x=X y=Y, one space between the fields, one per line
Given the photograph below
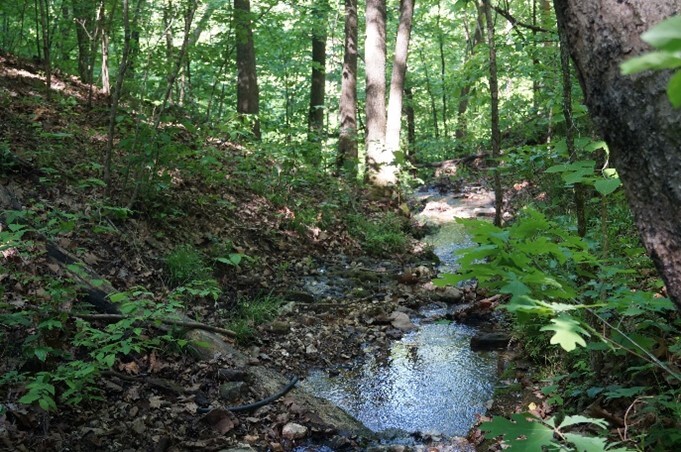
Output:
x=381 y=171
x=247 y=94
x=394 y=125
x=315 y=124
x=347 y=142
x=634 y=115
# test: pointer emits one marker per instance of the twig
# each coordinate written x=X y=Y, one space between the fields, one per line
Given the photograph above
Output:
x=516 y=22
x=183 y=323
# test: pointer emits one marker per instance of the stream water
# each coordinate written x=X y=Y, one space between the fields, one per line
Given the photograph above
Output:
x=431 y=381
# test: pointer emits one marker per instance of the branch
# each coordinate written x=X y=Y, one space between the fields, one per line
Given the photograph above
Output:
x=515 y=22
x=183 y=323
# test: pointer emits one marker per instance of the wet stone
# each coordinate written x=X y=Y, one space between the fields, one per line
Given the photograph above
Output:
x=232 y=390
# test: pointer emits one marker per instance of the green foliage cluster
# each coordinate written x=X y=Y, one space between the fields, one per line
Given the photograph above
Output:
x=562 y=291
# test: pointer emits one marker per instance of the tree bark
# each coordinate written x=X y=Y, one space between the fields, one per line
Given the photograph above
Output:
x=394 y=124
x=443 y=87
x=494 y=94
x=247 y=93
x=381 y=170
x=410 y=116
x=634 y=115
x=464 y=95
x=84 y=17
x=347 y=142
x=45 y=33
x=315 y=123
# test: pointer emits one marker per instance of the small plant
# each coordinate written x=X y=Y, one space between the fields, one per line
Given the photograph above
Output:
x=382 y=236
x=251 y=313
x=185 y=264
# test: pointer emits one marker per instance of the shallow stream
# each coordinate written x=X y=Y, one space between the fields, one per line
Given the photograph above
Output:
x=431 y=382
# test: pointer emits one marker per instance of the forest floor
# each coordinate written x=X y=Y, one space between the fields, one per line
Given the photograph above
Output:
x=332 y=297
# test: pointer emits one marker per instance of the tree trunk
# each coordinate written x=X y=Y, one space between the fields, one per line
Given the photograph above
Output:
x=84 y=18
x=464 y=95
x=570 y=134
x=45 y=33
x=410 y=116
x=247 y=94
x=494 y=94
x=347 y=141
x=431 y=95
x=443 y=87
x=394 y=124
x=315 y=122
x=634 y=115
x=381 y=170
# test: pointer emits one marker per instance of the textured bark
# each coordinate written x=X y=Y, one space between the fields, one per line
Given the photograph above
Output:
x=394 y=124
x=410 y=115
x=494 y=94
x=381 y=170
x=84 y=12
x=315 y=123
x=347 y=142
x=634 y=115
x=247 y=93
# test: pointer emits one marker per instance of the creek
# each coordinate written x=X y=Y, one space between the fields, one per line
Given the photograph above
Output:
x=430 y=383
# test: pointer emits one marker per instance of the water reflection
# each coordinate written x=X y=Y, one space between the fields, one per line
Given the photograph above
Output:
x=431 y=382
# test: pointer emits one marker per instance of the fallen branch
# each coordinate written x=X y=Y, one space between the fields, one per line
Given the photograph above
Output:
x=182 y=323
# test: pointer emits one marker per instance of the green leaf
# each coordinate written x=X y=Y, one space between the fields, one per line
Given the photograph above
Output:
x=607 y=186
x=586 y=443
x=534 y=434
x=41 y=353
x=578 y=419
x=652 y=60
x=567 y=332
x=674 y=89
x=666 y=35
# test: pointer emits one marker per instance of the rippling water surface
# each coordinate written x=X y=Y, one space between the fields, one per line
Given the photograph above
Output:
x=432 y=382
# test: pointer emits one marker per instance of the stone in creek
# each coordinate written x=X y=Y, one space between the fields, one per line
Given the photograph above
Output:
x=485 y=341
x=232 y=390
x=294 y=431
x=401 y=321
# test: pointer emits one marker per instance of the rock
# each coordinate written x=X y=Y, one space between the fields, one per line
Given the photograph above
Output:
x=310 y=349
x=486 y=341
x=232 y=390
x=401 y=321
x=279 y=327
x=294 y=431
x=240 y=448
x=300 y=296
x=232 y=374
x=449 y=295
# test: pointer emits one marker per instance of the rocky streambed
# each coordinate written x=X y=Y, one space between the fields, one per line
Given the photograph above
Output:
x=393 y=351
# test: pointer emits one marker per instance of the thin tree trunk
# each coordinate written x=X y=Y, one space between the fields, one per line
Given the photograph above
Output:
x=347 y=141
x=494 y=94
x=84 y=17
x=381 y=170
x=115 y=98
x=247 y=93
x=431 y=95
x=441 y=48
x=464 y=95
x=410 y=116
x=45 y=33
x=394 y=124
x=570 y=133
x=315 y=124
